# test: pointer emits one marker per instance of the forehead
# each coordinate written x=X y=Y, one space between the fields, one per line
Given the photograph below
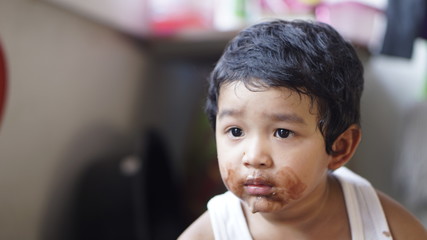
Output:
x=237 y=97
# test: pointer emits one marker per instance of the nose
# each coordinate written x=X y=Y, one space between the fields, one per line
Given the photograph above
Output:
x=257 y=155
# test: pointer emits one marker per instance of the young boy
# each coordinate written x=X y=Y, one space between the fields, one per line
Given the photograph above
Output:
x=284 y=102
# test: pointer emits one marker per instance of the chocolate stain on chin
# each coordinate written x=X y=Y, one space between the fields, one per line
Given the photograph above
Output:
x=287 y=186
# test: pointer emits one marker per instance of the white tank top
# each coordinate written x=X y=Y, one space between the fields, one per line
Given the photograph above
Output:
x=366 y=215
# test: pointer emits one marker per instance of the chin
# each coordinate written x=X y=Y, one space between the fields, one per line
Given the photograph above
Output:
x=264 y=204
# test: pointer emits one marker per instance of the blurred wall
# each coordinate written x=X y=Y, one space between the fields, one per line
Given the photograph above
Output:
x=393 y=86
x=73 y=93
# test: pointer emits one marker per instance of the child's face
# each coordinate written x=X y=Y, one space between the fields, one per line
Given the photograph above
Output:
x=270 y=151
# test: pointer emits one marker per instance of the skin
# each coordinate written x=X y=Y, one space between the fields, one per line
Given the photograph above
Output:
x=272 y=156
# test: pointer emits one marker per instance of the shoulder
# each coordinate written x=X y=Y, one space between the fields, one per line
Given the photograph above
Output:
x=199 y=229
x=403 y=225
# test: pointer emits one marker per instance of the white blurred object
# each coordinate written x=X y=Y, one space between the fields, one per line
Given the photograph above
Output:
x=130 y=165
x=229 y=15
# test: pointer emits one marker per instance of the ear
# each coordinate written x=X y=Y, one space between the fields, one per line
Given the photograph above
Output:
x=345 y=146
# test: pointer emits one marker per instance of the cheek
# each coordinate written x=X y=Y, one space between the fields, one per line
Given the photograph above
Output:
x=292 y=186
x=228 y=161
x=231 y=179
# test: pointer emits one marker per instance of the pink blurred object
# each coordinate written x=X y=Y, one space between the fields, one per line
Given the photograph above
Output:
x=297 y=6
x=357 y=22
x=177 y=22
x=168 y=17
x=286 y=6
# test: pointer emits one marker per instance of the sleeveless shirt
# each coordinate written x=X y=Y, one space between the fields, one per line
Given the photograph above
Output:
x=366 y=216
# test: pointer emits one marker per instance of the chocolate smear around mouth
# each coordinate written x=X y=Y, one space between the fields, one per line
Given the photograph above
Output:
x=287 y=187
x=293 y=186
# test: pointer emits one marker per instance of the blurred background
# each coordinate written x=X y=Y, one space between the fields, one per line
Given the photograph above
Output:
x=103 y=134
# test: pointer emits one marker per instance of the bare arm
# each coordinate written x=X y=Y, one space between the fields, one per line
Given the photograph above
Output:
x=403 y=225
x=199 y=229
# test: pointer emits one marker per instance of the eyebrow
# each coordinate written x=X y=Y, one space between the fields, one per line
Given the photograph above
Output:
x=279 y=117
x=287 y=118
x=229 y=112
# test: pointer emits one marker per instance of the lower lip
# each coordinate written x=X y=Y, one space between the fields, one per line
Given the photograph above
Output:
x=258 y=189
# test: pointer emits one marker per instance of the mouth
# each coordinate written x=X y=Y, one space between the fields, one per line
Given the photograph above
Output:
x=258 y=187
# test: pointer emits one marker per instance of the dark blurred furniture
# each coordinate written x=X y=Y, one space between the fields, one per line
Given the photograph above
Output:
x=129 y=197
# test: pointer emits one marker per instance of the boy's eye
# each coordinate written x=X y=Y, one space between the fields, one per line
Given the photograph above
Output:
x=282 y=133
x=235 y=132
